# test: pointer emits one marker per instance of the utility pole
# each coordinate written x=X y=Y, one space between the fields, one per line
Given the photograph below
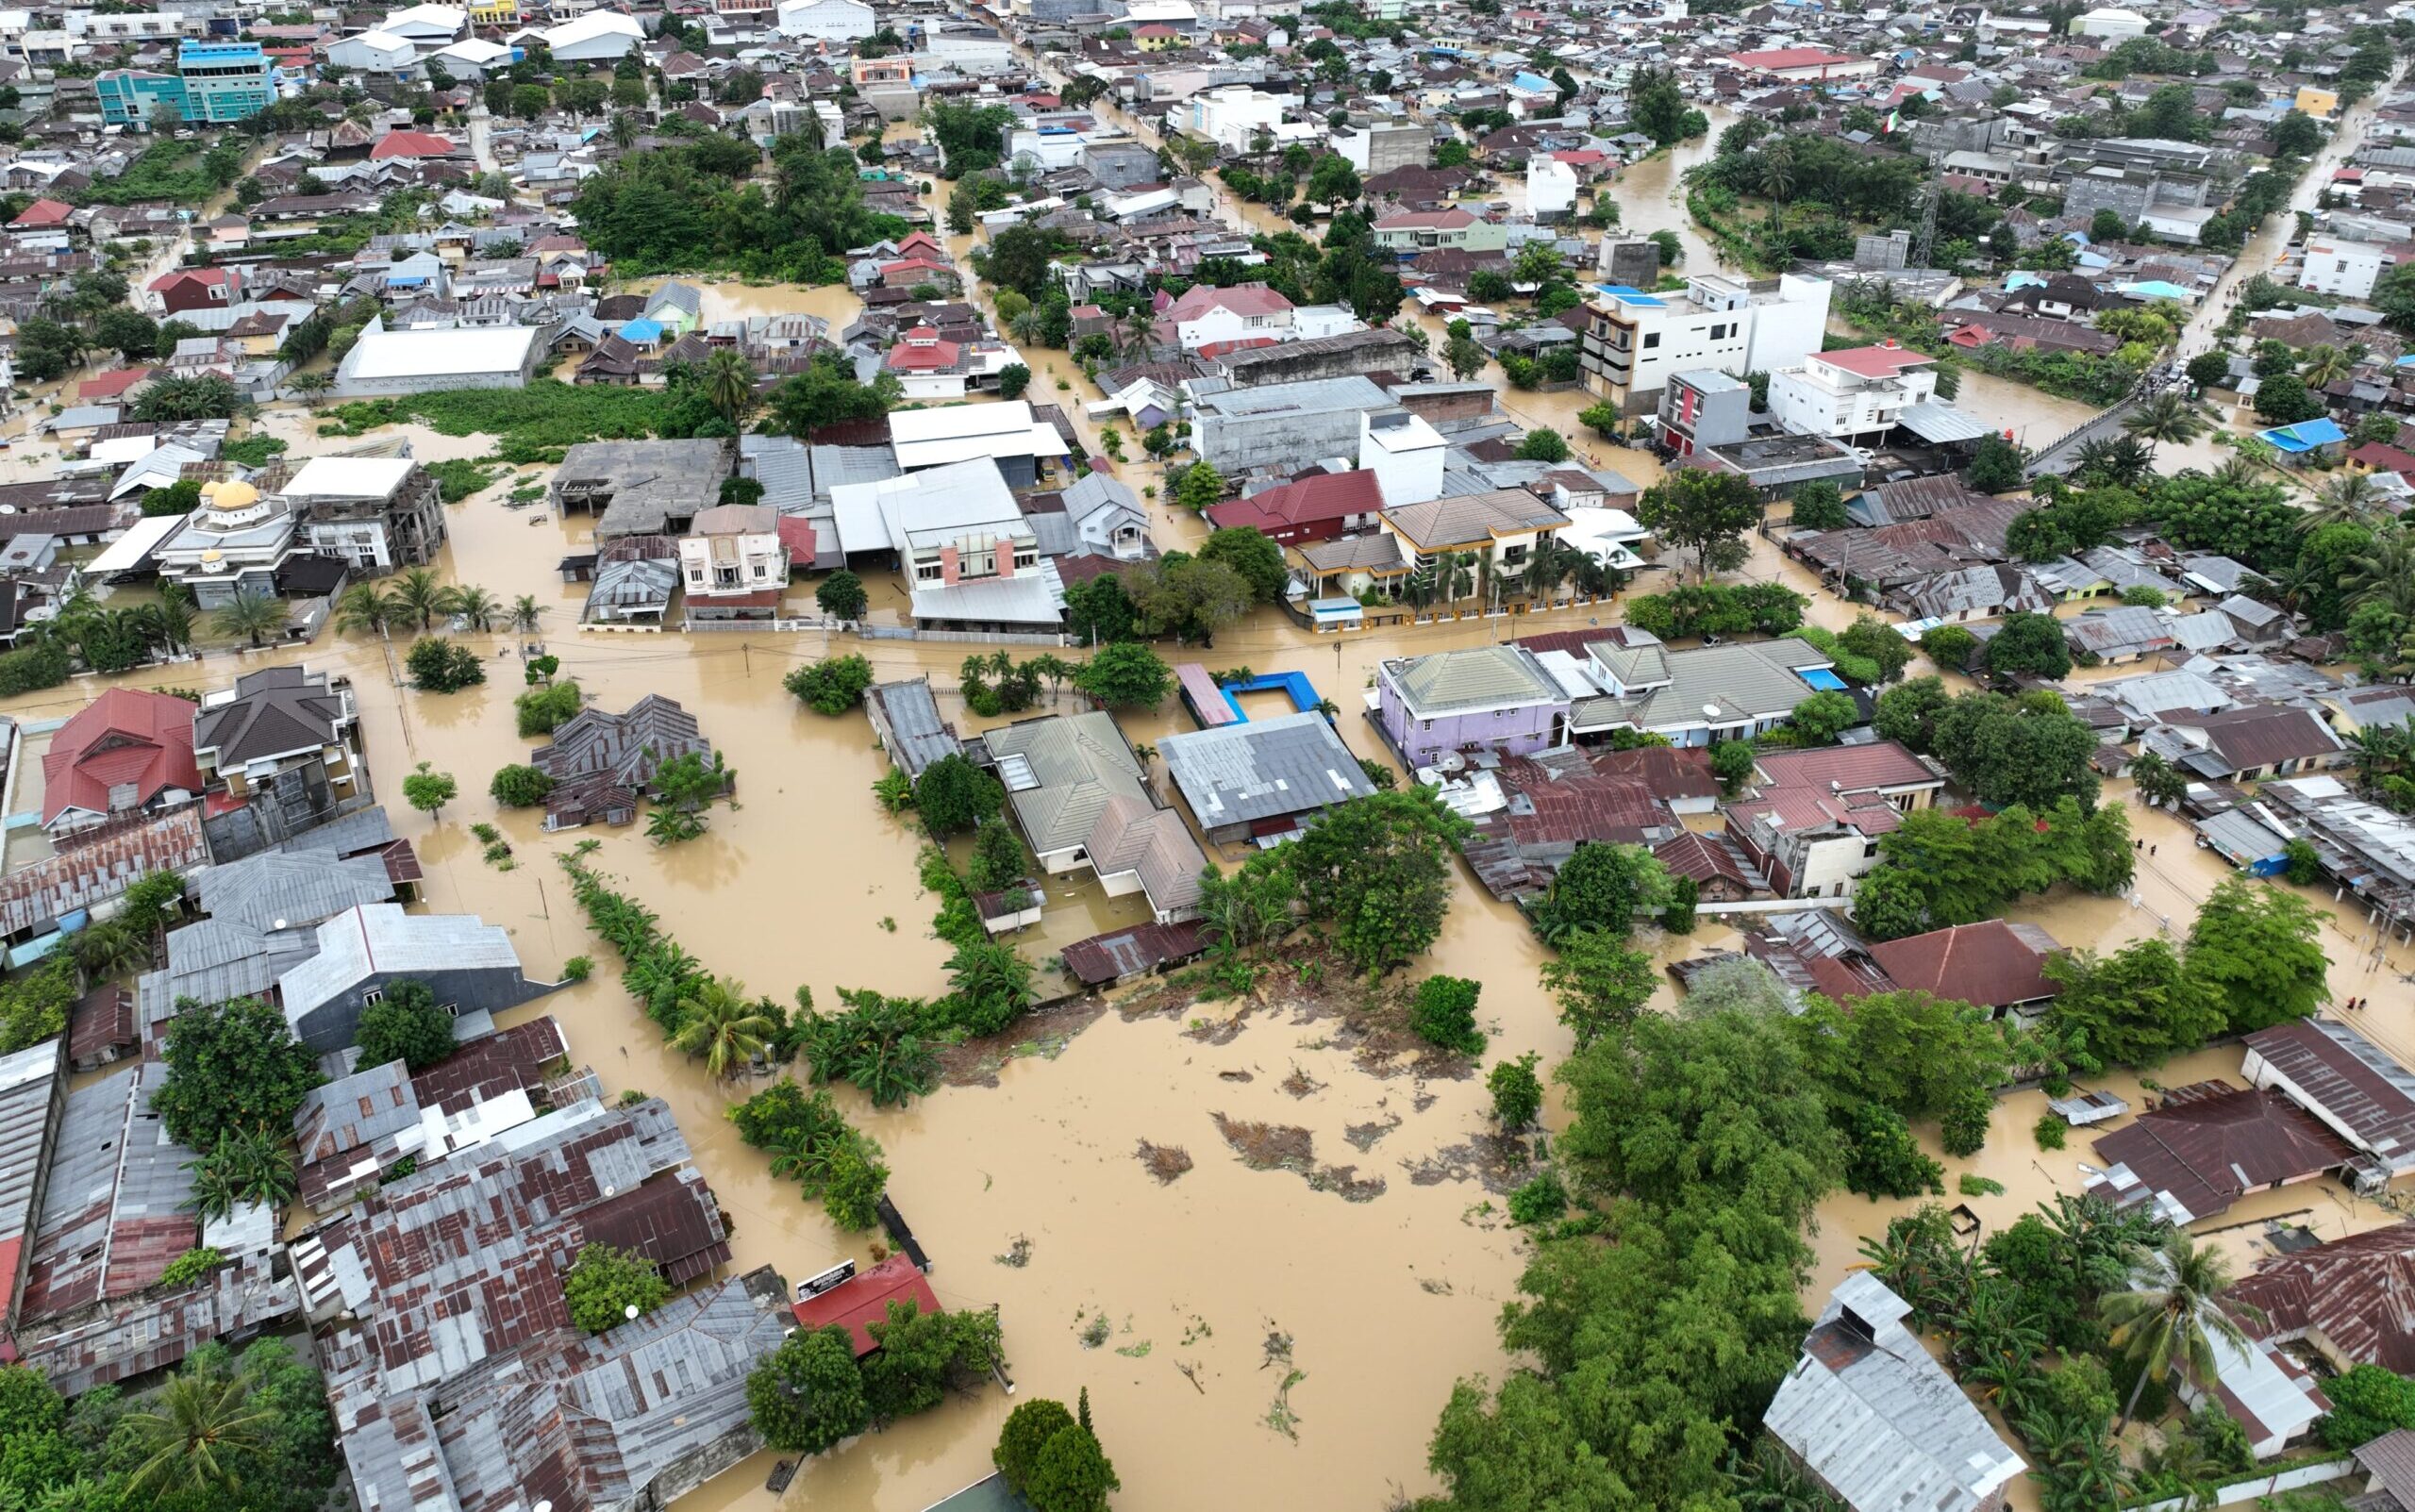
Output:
x=1925 y=244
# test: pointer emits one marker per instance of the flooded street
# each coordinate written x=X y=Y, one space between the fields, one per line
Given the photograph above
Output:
x=805 y=882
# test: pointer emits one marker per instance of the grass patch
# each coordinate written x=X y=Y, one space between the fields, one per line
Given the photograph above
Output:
x=537 y=423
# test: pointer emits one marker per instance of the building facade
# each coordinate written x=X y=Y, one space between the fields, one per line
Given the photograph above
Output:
x=1635 y=341
x=214 y=81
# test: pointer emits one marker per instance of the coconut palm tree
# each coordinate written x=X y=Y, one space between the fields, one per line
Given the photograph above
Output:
x=730 y=385
x=475 y=605
x=2324 y=365
x=250 y=615
x=1025 y=327
x=1777 y=169
x=417 y=595
x=2167 y=417
x=721 y=1025
x=2346 y=498
x=2173 y=1313
x=310 y=387
x=1459 y=576
x=2385 y=573
x=1140 y=332
x=110 y=949
x=2236 y=473
x=2118 y=460
x=193 y=1429
x=366 y=607
x=525 y=612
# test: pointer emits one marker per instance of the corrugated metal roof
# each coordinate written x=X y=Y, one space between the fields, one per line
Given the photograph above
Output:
x=1264 y=769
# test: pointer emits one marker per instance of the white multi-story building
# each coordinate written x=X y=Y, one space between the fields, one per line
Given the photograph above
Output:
x=830 y=20
x=1405 y=453
x=1634 y=341
x=733 y=562
x=1233 y=115
x=2348 y=269
x=1551 y=188
x=1860 y=391
x=1206 y=315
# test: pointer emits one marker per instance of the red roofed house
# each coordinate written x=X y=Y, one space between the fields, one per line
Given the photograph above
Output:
x=1993 y=964
x=1205 y=314
x=43 y=215
x=1862 y=390
x=127 y=752
x=1320 y=506
x=1814 y=820
x=413 y=144
x=197 y=288
x=1156 y=37
x=864 y=1299
x=912 y=273
x=114 y=384
x=1798 y=65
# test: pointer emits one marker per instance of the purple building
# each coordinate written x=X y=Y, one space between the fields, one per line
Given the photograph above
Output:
x=1494 y=698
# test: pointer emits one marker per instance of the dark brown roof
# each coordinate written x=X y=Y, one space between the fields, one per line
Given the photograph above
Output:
x=670 y=1219
x=2357 y=1292
x=2211 y=1142
x=1993 y=964
x=2346 y=1078
x=1122 y=952
x=509 y=1059
x=103 y=1021
x=2262 y=735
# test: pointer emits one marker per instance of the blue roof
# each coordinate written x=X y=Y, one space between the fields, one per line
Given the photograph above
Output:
x=1822 y=678
x=641 y=331
x=2023 y=280
x=1631 y=295
x=2156 y=289
x=1533 y=82
x=2306 y=435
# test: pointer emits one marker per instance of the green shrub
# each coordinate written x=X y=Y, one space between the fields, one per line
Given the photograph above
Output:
x=577 y=969
x=1443 y=1013
x=190 y=1266
x=1861 y=670
x=1539 y=1201
x=832 y=686
x=2050 y=1130
x=520 y=786
x=543 y=711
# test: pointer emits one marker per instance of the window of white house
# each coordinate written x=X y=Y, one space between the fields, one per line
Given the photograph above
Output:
x=926 y=572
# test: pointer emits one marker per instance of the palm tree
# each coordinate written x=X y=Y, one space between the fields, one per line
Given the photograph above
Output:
x=2385 y=573
x=1025 y=327
x=1459 y=576
x=2236 y=473
x=2167 y=417
x=1139 y=331
x=365 y=608
x=719 y=1023
x=417 y=595
x=2121 y=461
x=475 y=605
x=730 y=385
x=2347 y=498
x=525 y=612
x=251 y=615
x=2173 y=1313
x=2324 y=365
x=1777 y=169
x=194 y=1427
x=110 y=949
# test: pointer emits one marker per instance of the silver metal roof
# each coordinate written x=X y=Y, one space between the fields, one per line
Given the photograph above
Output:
x=1264 y=769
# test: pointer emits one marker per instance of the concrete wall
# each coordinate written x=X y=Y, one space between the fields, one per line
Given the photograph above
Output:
x=1380 y=351
x=1445 y=401
x=1243 y=444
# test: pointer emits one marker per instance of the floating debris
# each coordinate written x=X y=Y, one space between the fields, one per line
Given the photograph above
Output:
x=1268 y=1146
x=1135 y=1352
x=1300 y=1083
x=1167 y=1162
x=1362 y=1137
x=1018 y=1253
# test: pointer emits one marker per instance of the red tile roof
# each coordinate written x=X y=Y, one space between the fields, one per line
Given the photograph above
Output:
x=124 y=736
x=1241 y=299
x=865 y=1299
x=1776 y=57
x=1883 y=362
x=112 y=384
x=1993 y=964
x=796 y=534
x=410 y=144
x=43 y=213
x=1848 y=768
x=1324 y=496
x=206 y=277
x=923 y=351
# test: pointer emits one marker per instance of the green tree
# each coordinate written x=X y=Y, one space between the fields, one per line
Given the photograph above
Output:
x=1517 y=1092
x=998 y=858
x=832 y=686
x=842 y=596
x=1443 y=1013
x=250 y=615
x=1126 y=675
x=1820 y=506
x=1600 y=887
x=922 y=1355
x=826 y=392
x=520 y=786
x=440 y=665
x=730 y=385
x=2169 y=1318
x=2136 y=1006
x=1824 y=716
x=717 y=1021
x=1600 y=983
x=2366 y=1402
x=195 y=1432
x=808 y=1394
x=430 y=792
x=953 y=795
x=1996 y=466
x=2030 y=644
x=1543 y=445
x=2031 y=751
x=1199 y=485
x=230 y=1066
x=2283 y=399
x=2259 y=948
x=1908 y=713
x=1733 y=762
x=1071 y=1474
x=1697 y=511
x=405 y=1025
x=1379 y=867
x=603 y=1285
x=1253 y=555
x=1890 y=904
x=1026 y=1431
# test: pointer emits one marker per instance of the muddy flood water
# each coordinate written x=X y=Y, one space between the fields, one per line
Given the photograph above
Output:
x=1386 y=1271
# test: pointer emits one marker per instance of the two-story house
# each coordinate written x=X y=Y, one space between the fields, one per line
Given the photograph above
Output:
x=1406 y=233
x=373 y=513
x=284 y=735
x=1207 y=315
x=1860 y=391
x=1699 y=697
x=1493 y=698
x=1814 y=818
x=733 y=563
x=969 y=557
x=1500 y=529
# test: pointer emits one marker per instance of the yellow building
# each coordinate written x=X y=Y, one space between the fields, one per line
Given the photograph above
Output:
x=2321 y=104
x=493 y=13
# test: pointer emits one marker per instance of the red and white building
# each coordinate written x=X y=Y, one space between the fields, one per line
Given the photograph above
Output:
x=1801 y=66
x=1206 y=315
x=1860 y=391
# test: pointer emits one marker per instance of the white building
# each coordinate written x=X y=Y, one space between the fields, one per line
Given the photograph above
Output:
x=733 y=561
x=1858 y=392
x=1406 y=455
x=393 y=362
x=2348 y=269
x=1206 y=315
x=427 y=28
x=374 y=52
x=1551 y=187
x=830 y=20
x=2111 y=22
x=1634 y=341
x=598 y=37
x=1235 y=114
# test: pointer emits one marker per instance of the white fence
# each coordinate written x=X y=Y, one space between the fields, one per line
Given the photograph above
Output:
x=2288 y=1480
